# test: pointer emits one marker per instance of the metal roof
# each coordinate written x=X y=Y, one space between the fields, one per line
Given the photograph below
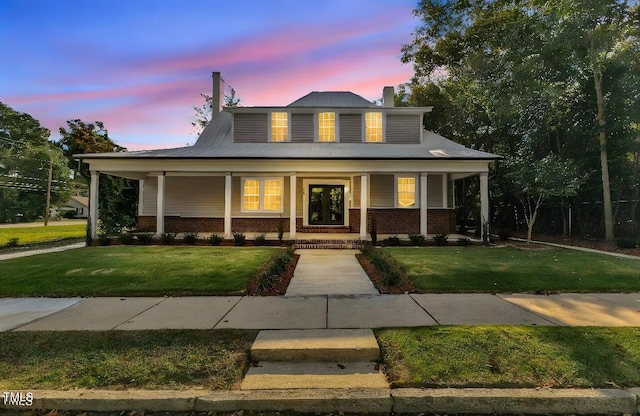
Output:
x=338 y=99
x=216 y=142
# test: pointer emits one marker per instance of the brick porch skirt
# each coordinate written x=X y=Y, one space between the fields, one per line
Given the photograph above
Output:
x=389 y=221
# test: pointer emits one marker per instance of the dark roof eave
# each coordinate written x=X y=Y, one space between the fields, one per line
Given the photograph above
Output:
x=292 y=158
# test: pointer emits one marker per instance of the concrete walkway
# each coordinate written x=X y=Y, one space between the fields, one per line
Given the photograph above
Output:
x=314 y=312
x=329 y=272
x=26 y=253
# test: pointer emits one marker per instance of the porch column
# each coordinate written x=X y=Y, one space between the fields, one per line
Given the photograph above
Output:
x=484 y=206
x=364 y=203
x=292 y=206
x=160 y=205
x=227 y=205
x=423 y=203
x=140 y=197
x=93 y=203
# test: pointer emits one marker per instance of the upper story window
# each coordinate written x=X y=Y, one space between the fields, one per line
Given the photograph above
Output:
x=262 y=195
x=373 y=127
x=327 y=127
x=406 y=191
x=279 y=127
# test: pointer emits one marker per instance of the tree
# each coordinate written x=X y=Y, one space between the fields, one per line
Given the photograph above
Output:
x=117 y=196
x=544 y=75
x=32 y=170
x=204 y=112
x=535 y=181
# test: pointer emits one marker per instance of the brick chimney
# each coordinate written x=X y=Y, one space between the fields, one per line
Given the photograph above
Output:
x=388 y=97
x=217 y=97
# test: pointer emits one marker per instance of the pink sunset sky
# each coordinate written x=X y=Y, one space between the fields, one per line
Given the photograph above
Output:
x=140 y=66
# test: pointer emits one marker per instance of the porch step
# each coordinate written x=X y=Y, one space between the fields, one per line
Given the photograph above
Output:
x=329 y=244
x=315 y=359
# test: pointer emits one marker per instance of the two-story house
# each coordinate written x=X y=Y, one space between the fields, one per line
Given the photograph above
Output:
x=330 y=161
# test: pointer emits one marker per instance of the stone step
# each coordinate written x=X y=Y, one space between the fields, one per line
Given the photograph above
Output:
x=270 y=375
x=334 y=345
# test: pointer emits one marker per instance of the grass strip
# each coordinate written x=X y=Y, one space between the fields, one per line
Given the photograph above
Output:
x=515 y=269
x=134 y=271
x=30 y=235
x=171 y=359
x=513 y=356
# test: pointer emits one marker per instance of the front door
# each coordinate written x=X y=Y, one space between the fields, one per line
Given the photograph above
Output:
x=326 y=204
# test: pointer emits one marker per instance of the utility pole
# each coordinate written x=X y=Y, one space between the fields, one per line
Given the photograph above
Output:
x=47 y=209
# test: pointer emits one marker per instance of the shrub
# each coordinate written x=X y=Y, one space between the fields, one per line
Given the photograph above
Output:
x=463 y=241
x=626 y=242
x=504 y=234
x=440 y=239
x=276 y=267
x=167 y=238
x=239 y=239
x=191 y=238
x=104 y=239
x=216 y=239
x=13 y=242
x=388 y=269
x=260 y=239
x=417 y=239
x=280 y=231
x=126 y=238
x=391 y=241
x=374 y=231
x=145 y=238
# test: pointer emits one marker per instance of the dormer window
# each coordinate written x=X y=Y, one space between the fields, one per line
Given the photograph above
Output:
x=327 y=127
x=279 y=127
x=373 y=127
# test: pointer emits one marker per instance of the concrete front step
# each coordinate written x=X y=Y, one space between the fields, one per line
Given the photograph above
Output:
x=328 y=244
x=270 y=375
x=334 y=345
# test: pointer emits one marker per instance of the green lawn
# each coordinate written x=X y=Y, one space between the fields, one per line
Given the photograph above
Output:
x=169 y=359
x=512 y=269
x=40 y=234
x=514 y=356
x=134 y=271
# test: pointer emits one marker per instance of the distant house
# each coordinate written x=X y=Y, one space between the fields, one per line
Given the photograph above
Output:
x=327 y=162
x=79 y=205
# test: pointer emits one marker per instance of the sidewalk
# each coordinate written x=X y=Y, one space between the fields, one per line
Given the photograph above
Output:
x=313 y=312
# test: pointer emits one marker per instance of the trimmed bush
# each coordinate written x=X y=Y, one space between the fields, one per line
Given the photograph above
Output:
x=191 y=238
x=440 y=239
x=167 y=238
x=391 y=241
x=145 y=238
x=417 y=239
x=104 y=239
x=260 y=239
x=126 y=238
x=463 y=242
x=215 y=239
x=239 y=239
x=388 y=269
x=275 y=268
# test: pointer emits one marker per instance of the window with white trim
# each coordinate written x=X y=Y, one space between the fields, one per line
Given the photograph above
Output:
x=406 y=192
x=326 y=127
x=373 y=127
x=279 y=127
x=262 y=194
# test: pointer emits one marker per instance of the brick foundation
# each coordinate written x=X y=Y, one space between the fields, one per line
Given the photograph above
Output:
x=405 y=221
x=389 y=221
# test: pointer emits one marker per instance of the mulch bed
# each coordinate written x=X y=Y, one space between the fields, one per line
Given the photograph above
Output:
x=282 y=284
x=405 y=286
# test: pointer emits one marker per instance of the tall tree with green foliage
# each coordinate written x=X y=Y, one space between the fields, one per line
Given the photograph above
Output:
x=26 y=158
x=543 y=75
x=117 y=197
